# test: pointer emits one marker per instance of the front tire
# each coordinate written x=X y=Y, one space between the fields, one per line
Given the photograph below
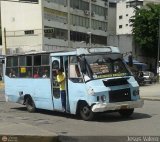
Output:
x=86 y=113
x=126 y=112
x=30 y=105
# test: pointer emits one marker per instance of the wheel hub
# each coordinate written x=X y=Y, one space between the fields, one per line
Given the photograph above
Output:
x=86 y=110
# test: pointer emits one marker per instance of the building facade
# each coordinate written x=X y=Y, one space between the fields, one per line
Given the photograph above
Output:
x=125 y=10
x=112 y=17
x=151 y=1
x=46 y=25
x=124 y=38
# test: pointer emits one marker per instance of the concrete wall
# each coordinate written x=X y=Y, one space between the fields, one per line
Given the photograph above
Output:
x=17 y=17
x=112 y=20
x=124 y=42
x=126 y=14
x=151 y=1
x=20 y=16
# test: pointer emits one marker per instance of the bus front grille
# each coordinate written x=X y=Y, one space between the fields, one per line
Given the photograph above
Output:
x=115 y=82
x=120 y=95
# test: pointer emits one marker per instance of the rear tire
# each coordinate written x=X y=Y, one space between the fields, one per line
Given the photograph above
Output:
x=85 y=112
x=126 y=112
x=30 y=105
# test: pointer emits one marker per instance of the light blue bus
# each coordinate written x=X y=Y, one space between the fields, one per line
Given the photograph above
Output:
x=96 y=79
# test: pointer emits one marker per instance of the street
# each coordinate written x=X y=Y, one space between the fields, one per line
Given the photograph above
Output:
x=85 y=57
x=144 y=122
x=150 y=92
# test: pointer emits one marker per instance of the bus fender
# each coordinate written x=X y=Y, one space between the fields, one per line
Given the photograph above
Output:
x=30 y=105
x=25 y=98
x=84 y=110
x=82 y=102
x=79 y=104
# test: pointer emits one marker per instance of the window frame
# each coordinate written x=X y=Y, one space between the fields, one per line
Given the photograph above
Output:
x=22 y=69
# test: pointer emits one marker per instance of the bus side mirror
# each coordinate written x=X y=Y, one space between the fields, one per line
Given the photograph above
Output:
x=83 y=65
x=130 y=60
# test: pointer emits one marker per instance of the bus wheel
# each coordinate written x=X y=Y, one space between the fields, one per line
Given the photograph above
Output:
x=86 y=113
x=30 y=105
x=126 y=112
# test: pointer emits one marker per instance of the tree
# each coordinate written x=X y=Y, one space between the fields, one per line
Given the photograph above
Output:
x=145 y=28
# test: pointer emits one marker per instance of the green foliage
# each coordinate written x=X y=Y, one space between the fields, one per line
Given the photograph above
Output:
x=145 y=28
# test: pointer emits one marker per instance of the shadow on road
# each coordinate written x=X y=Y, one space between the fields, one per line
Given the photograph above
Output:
x=47 y=112
x=115 y=117
x=105 y=117
x=19 y=108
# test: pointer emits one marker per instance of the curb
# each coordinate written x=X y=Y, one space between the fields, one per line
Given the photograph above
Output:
x=27 y=138
x=22 y=132
x=150 y=98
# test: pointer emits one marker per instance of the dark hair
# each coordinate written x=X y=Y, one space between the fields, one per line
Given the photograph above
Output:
x=61 y=69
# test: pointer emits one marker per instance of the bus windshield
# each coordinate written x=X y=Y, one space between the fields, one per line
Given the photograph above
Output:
x=104 y=66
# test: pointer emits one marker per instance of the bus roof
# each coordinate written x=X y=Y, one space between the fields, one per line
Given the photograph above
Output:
x=38 y=52
x=89 y=50
x=105 y=49
x=75 y=51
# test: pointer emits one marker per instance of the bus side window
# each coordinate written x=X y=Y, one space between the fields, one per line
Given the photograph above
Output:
x=55 y=65
x=12 y=73
x=29 y=74
x=36 y=74
x=54 y=75
x=12 y=67
x=45 y=68
x=74 y=71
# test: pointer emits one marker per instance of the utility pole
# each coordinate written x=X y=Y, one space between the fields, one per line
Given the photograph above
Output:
x=69 y=24
x=158 y=50
x=90 y=23
x=5 y=42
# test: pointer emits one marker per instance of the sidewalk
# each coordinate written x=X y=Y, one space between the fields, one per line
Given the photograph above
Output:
x=150 y=92
x=21 y=132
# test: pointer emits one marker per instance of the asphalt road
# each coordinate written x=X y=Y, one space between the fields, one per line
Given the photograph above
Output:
x=145 y=121
x=150 y=91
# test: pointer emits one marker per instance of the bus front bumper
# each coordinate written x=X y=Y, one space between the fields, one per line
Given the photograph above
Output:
x=102 y=107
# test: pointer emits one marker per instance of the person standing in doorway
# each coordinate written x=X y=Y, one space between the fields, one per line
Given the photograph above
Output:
x=61 y=81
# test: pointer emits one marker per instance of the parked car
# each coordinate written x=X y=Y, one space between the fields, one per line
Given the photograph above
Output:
x=141 y=74
x=149 y=77
x=146 y=77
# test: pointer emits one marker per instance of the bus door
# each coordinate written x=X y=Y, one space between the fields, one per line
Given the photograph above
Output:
x=55 y=86
x=57 y=63
x=76 y=85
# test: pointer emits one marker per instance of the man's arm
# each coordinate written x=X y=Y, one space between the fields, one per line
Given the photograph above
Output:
x=60 y=80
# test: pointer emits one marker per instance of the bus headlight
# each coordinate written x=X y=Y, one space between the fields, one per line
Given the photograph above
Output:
x=103 y=98
x=135 y=92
